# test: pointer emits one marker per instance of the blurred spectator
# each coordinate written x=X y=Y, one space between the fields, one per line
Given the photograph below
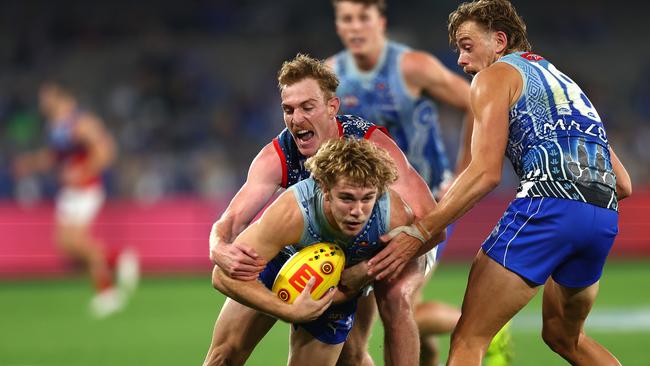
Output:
x=178 y=85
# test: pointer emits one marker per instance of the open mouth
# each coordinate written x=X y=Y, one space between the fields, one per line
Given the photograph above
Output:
x=304 y=135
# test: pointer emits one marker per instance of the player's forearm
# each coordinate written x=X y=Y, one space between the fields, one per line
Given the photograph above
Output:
x=431 y=243
x=252 y=294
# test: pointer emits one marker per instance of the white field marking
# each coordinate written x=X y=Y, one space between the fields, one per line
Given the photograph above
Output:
x=619 y=320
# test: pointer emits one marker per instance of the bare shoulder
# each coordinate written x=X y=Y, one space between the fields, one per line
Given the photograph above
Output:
x=400 y=212
x=266 y=166
x=280 y=225
x=499 y=77
x=496 y=73
x=417 y=63
x=330 y=62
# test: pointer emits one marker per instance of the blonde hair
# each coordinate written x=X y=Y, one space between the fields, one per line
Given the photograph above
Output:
x=493 y=15
x=302 y=67
x=359 y=161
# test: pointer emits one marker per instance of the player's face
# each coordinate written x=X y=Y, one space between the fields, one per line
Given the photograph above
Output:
x=477 y=47
x=360 y=27
x=350 y=206
x=308 y=115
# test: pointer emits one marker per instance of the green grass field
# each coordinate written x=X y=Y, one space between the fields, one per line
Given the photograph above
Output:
x=169 y=322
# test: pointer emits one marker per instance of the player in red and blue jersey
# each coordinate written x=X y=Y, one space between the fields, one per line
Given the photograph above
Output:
x=81 y=149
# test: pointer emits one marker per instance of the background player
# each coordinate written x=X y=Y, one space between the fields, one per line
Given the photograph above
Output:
x=81 y=149
x=394 y=86
x=562 y=224
x=347 y=202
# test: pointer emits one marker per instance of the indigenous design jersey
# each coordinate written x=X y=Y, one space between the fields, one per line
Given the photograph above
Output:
x=293 y=162
x=381 y=97
x=317 y=228
x=62 y=142
x=557 y=143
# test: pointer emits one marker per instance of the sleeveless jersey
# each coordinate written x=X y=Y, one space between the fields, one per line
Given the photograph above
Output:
x=557 y=143
x=66 y=149
x=293 y=162
x=317 y=228
x=381 y=97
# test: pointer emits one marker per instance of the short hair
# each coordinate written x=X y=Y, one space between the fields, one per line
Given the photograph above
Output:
x=380 y=4
x=302 y=67
x=60 y=85
x=493 y=15
x=358 y=160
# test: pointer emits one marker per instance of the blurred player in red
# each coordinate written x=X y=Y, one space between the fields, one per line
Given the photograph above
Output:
x=81 y=149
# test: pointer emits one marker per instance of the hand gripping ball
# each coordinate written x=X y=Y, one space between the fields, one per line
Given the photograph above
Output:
x=325 y=261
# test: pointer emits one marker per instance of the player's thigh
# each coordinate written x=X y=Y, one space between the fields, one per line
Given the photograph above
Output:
x=363 y=321
x=565 y=309
x=307 y=350
x=404 y=288
x=493 y=296
x=240 y=327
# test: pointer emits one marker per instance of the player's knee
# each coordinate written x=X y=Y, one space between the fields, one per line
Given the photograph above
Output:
x=397 y=302
x=558 y=340
x=223 y=355
x=354 y=356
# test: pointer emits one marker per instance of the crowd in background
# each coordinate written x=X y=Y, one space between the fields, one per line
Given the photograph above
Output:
x=189 y=90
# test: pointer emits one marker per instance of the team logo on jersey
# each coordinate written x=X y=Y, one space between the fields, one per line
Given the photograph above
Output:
x=531 y=56
x=350 y=101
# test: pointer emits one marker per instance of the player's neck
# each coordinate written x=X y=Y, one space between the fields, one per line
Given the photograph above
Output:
x=367 y=61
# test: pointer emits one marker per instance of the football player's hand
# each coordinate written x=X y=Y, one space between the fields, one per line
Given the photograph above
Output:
x=305 y=308
x=353 y=280
x=401 y=247
x=237 y=260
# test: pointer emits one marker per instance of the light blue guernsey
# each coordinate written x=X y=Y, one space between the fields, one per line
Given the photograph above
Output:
x=557 y=143
x=317 y=229
x=381 y=97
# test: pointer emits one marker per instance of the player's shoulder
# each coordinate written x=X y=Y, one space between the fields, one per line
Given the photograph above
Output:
x=331 y=61
x=498 y=73
x=400 y=212
x=284 y=212
x=418 y=60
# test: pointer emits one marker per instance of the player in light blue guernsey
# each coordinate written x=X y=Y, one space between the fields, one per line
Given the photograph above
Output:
x=399 y=88
x=394 y=86
x=559 y=229
x=347 y=202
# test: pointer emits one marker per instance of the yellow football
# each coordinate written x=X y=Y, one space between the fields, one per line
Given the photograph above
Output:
x=324 y=261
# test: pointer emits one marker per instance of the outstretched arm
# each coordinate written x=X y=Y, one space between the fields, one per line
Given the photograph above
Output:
x=238 y=260
x=414 y=191
x=493 y=91
x=282 y=223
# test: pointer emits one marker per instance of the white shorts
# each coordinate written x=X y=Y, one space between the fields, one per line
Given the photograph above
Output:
x=79 y=206
x=429 y=264
x=430 y=258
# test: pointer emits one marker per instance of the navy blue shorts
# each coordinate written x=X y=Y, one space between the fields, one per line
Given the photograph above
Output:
x=541 y=237
x=333 y=326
